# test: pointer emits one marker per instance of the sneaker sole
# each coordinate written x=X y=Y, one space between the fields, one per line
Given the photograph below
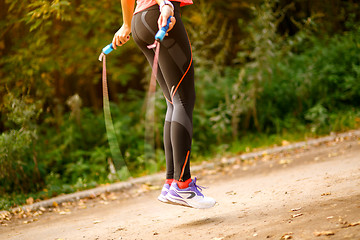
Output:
x=163 y=199
x=182 y=202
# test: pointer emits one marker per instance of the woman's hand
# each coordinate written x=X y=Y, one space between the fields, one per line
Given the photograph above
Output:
x=121 y=36
x=166 y=12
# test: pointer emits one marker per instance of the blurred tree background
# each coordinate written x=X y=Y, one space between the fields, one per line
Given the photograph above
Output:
x=265 y=70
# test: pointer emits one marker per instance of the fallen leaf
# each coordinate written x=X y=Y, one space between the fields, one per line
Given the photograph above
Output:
x=236 y=166
x=354 y=224
x=296 y=215
x=92 y=196
x=296 y=209
x=266 y=158
x=326 y=194
x=103 y=196
x=4 y=215
x=286 y=236
x=285 y=143
x=29 y=201
x=324 y=233
x=343 y=222
x=112 y=196
x=155 y=187
x=223 y=160
x=55 y=204
x=38 y=213
x=332 y=154
x=64 y=213
x=120 y=229
x=231 y=193
x=285 y=161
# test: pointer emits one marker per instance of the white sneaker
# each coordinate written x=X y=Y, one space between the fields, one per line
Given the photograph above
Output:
x=190 y=196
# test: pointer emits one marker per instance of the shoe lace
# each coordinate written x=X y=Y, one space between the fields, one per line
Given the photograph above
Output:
x=199 y=188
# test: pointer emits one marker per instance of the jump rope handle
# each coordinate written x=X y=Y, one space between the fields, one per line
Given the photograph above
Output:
x=108 y=49
x=161 y=33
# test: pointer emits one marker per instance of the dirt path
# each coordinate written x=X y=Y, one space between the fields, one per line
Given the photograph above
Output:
x=255 y=201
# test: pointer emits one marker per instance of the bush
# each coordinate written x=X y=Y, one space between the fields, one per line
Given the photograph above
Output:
x=19 y=166
x=321 y=80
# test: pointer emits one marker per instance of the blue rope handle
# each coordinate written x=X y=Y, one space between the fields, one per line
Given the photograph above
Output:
x=108 y=49
x=161 y=33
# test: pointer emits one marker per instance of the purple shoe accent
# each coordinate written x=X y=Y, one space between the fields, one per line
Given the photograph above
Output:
x=190 y=196
x=164 y=192
x=174 y=194
x=195 y=188
x=165 y=189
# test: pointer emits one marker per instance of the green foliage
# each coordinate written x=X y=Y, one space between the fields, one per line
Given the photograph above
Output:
x=19 y=169
x=314 y=83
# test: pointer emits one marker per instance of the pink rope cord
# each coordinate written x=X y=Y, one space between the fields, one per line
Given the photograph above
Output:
x=152 y=85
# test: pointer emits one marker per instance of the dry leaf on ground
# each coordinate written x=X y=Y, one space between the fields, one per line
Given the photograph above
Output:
x=353 y=224
x=296 y=215
x=29 y=201
x=231 y=193
x=324 y=233
x=64 y=213
x=285 y=161
x=286 y=236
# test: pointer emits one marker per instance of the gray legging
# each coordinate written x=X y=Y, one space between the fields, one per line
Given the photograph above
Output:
x=176 y=79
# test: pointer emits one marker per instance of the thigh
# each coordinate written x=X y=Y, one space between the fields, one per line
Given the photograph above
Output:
x=143 y=33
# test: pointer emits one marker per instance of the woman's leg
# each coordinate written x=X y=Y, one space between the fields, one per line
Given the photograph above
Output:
x=176 y=79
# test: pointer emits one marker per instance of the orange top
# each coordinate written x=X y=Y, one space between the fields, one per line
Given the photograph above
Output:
x=144 y=4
